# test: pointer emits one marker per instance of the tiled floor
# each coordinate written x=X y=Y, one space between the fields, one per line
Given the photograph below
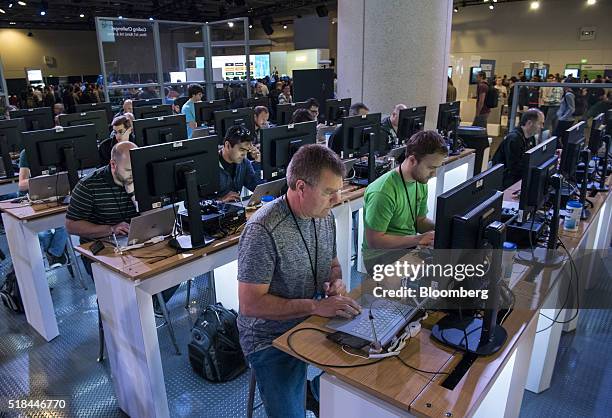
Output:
x=66 y=368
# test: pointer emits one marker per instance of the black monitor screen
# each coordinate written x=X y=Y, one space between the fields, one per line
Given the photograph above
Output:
x=225 y=119
x=573 y=142
x=205 y=111
x=540 y=163
x=88 y=107
x=10 y=131
x=153 y=111
x=160 y=130
x=448 y=117
x=157 y=171
x=356 y=134
x=35 y=119
x=96 y=118
x=47 y=149
x=285 y=111
x=280 y=143
x=146 y=102
x=597 y=132
x=259 y=101
x=411 y=121
x=336 y=109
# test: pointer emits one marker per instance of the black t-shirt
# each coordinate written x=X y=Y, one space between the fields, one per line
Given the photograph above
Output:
x=229 y=167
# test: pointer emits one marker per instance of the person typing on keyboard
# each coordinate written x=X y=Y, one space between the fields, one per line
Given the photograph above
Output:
x=287 y=271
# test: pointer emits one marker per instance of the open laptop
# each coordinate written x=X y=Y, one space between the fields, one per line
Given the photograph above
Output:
x=348 y=167
x=396 y=153
x=390 y=317
x=46 y=187
x=273 y=188
x=200 y=133
x=151 y=224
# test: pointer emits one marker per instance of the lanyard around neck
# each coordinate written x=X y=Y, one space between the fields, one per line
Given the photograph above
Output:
x=313 y=266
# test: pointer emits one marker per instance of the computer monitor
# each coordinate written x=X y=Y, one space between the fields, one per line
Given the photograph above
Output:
x=61 y=149
x=35 y=119
x=573 y=142
x=336 y=109
x=160 y=130
x=146 y=102
x=259 y=101
x=180 y=101
x=279 y=144
x=153 y=111
x=88 y=107
x=597 y=132
x=285 y=111
x=448 y=117
x=225 y=119
x=358 y=134
x=205 y=111
x=411 y=121
x=474 y=71
x=10 y=141
x=179 y=171
x=468 y=219
x=96 y=118
x=540 y=164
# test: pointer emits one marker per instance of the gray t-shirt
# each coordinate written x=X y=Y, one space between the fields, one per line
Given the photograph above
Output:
x=272 y=252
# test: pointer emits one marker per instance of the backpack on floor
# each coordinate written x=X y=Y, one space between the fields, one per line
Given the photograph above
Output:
x=9 y=293
x=214 y=350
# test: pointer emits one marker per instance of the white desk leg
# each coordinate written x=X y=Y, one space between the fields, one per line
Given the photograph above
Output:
x=133 y=349
x=339 y=399
x=360 y=237
x=545 y=346
x=344 y=240
x=30 y=271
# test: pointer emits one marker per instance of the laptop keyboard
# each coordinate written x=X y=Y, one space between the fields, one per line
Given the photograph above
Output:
x=386 y=315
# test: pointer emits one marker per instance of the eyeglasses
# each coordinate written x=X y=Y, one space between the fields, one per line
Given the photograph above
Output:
x=241 y=131
x=121 y=132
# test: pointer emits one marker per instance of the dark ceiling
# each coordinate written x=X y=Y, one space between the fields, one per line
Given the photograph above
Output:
x=65 y=14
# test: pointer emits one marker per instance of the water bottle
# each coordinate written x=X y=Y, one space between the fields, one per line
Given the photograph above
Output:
x=508 y=259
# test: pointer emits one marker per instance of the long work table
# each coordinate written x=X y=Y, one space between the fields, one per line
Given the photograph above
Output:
x=491 y=386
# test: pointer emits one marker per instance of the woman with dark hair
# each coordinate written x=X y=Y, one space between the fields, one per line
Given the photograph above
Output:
x=301 y=115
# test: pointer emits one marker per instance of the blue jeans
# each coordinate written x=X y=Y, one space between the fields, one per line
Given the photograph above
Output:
x=281 y=379
x=54 y=242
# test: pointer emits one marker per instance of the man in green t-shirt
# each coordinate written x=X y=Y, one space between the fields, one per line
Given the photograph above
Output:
x=395 y=209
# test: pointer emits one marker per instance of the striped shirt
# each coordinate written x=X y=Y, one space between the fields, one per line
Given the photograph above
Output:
x=99 y=200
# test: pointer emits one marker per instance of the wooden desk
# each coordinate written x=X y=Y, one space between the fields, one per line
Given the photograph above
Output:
x=22 y=224
x=493 y=386
x=125 y=284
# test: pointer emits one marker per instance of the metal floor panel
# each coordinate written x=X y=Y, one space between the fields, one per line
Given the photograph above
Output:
x=66 y=367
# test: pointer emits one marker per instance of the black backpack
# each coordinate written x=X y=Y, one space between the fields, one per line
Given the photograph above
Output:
x=214 y=350
x=492 y=97
x=9 y=293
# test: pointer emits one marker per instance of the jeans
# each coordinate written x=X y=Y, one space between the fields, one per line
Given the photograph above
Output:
x=281 y=379
x=54 y=242
x=551 y=119
x=481 y=120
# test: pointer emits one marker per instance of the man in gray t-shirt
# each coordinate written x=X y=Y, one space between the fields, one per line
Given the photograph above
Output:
x=288 y=270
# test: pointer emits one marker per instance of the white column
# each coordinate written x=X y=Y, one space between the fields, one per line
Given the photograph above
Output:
x=394 y=51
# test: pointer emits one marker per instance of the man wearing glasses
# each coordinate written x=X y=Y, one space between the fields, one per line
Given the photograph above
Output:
x=235 y=170
x=287 y=271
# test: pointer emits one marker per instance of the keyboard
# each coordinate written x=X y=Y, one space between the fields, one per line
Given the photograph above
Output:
x=389 y=317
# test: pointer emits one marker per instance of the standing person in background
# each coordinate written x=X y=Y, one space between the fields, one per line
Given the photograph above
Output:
x=565 y=114
x=482 y=111
x=550 y=98
x=502 y=90
x=195 y=93
x=451 y=91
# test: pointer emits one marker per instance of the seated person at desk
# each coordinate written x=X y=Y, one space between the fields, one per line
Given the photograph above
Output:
x=278 y=287
x=121 y=132
x=195 y=93
x=395 y=204
x=356 y=109
x=261 y=116
x=235 y=170
x=52 y=243
x=312 y=105
x=301 y=115
x=389 y=125
x=512 y=149
x=126 y=108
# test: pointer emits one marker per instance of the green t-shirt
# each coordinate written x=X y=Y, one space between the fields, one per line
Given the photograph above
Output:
x=386 y=208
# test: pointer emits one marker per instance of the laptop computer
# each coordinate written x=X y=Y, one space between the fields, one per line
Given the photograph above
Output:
x=390 y=316
x=348 y=167
x=273 y=188
x=151 y=224
x=46 y=187
x=396 y=153
x=200 y=133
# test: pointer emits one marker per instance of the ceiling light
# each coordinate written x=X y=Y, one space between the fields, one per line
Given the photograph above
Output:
x=230 y=24
x=284 y=26
x=120 y=17
x=250 y=26
x=42 y=13
x=591 y=2
x=456 y=9
x=535 y=5
x=81 y=15
x=197 y=32
x=491 y=7
x=494 y=1
x=21 y=3
x=12 y=23
x=10 y=5
x=2 y=11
